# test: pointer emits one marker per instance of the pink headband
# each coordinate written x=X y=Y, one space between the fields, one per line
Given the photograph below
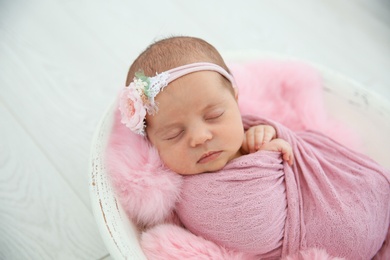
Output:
x=138 y=98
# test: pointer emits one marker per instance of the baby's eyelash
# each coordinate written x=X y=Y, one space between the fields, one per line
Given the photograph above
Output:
x=215 y=115
x=172 y=137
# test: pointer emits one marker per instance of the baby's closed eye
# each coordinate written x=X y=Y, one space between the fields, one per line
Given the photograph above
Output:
x=215 y=114
x=173 y=134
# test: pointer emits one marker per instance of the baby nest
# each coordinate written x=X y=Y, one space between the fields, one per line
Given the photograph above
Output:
x=367 y=113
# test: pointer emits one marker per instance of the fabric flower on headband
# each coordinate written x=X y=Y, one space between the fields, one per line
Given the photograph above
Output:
x=138 y=99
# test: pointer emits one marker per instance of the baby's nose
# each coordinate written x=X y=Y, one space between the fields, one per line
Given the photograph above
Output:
x=199 y=136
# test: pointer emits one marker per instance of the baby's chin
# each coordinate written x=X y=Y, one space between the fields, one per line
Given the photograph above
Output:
x=201 y=170
x=189 y=171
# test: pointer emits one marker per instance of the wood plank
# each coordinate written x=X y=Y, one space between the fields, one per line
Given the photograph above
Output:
x=56 y=85
x=40 y=215
x=126 y=28
x=107 y=257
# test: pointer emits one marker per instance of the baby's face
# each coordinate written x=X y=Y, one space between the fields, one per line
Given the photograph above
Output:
x=198 y=125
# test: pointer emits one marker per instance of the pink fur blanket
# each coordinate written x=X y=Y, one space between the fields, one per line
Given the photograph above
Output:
x=286 y=91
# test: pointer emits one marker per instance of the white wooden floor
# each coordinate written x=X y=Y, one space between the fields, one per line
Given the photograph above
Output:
x=62 y=62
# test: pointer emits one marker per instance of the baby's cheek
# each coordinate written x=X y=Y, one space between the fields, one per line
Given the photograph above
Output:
x=174 y=160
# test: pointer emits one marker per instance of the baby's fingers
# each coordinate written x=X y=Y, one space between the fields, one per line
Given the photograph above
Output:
x=250 y=141
x=257 y=136
x=244 y=146
x=289 y=158
x=269 y=134
x=263 y=134
x=287 y=153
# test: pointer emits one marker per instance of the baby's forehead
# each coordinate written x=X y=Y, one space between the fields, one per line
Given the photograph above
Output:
x=191 y=86
x=173 y=109
x=140 y=97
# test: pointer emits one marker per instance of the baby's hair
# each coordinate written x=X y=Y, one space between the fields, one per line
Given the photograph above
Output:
x=172 y=52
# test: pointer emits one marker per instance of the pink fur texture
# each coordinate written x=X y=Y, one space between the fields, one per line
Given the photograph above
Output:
x=288 y=92
x=173 y=242
x=312 y=254
x=147 y=197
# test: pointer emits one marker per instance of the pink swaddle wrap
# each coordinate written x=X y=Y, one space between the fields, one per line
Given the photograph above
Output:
x=331 y=198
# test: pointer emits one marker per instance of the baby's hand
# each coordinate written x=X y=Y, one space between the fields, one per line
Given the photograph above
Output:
x=256 y=136
x=280 y=145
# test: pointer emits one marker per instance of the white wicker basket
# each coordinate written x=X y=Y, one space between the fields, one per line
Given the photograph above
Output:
x=345 y=99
